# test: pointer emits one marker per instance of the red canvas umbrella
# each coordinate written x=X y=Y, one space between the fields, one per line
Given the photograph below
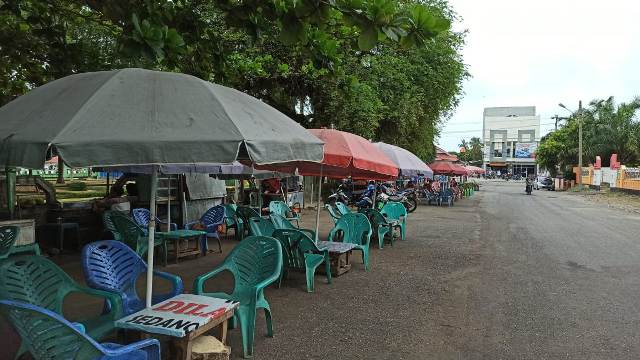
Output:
x=475 y=169
x=345 y=155
x=447 y=168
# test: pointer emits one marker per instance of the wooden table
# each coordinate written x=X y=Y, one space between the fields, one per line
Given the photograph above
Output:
x=182 y=318
x=177 y=235
x=339 y=254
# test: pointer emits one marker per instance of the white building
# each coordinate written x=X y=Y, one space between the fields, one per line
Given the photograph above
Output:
x=511 y=136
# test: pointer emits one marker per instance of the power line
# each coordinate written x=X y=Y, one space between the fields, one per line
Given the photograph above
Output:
x=480 y=130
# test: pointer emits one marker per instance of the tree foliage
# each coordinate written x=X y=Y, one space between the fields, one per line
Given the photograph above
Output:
x=471 y=151
x=608 y=128
x=388 y=70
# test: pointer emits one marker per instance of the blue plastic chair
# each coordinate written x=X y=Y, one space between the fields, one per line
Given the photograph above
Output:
x=48 y=335
x=211 y=220
x=143 y=216
x=112 y=266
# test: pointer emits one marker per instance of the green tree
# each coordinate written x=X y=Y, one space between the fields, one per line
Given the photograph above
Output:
x=388 y=70
x=464 y=153
x=608 y=128
x=472 y=152
x=476 y=150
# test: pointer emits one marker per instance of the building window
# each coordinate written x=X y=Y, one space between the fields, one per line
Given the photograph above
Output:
x=497 y=149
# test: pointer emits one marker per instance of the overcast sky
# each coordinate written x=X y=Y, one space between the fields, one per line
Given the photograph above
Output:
x=541 y=53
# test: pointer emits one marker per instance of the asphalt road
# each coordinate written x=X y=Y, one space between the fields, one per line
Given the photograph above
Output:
x=556 y=277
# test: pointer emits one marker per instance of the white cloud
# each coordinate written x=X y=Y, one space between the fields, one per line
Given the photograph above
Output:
x=542 y=53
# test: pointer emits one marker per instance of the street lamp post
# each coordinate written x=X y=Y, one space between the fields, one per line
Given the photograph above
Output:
x=580 y=121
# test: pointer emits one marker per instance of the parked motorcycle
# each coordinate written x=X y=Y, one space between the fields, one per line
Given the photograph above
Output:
x=339 y=195
x=343 y=194
x=411 y=201
x=408 y=197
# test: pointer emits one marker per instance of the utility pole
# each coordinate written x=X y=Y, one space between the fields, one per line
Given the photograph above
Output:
x=580 y=117
x=556 y=117
x=580 y=121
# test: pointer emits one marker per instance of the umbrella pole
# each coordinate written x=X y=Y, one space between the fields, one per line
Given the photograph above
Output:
x=183 y=198
x=318 y=204
x=151 y=231
x=169 y=205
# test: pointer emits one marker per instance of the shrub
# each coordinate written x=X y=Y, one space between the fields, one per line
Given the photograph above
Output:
x=77 y=186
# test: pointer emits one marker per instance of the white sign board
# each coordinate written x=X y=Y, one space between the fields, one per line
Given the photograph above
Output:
x=177 y=316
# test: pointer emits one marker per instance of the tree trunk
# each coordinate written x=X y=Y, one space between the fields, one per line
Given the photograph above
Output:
x=60 y=170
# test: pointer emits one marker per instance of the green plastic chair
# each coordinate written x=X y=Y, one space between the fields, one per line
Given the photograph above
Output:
x=48 y=335
x=342 y=208
x=299 y=252
x=280 y=222
x=245 y=213
x=260 y=226
x=110 y=226
x=8 y=237
x=255 y=263
x=282 y=209
x=134 y=236
x=333 y=212
x=38 y=281
x=233 y=221
x=395 y=211
x=380 y=224
x=354 y=228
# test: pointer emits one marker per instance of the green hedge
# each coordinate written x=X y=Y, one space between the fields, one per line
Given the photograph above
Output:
x=77 y=186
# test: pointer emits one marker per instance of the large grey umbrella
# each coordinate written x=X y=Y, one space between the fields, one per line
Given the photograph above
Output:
x=235 y=170
x=135 y=116
x=408 y=163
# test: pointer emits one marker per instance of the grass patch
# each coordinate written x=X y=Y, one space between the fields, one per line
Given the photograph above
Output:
x=65 y=194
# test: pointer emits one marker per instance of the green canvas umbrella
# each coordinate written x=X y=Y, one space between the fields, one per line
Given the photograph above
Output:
x=136 y=116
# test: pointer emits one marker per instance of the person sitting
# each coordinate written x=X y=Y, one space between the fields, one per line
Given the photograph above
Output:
x=271 y=188
x=115 y=201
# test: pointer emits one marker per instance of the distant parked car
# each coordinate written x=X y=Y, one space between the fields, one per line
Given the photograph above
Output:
x=544 y=182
